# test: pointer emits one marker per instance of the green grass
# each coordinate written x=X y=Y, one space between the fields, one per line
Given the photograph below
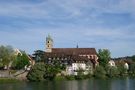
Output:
x=8 y=80
x=60 y=78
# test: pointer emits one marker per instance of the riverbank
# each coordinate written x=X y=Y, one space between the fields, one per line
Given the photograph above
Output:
x=9 y=80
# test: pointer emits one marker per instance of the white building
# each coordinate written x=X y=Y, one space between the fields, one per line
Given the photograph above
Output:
x=111 y=63
x=126 y=66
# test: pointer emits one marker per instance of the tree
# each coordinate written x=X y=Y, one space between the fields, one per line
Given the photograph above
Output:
x=39 y=55
x=37 y=72
x=21 y=61
x=121 y=69
x=51 y=72
x=6 y=55
x=104 y=56
x=112 y=71
x=132 y=69
x=133 y=58
x=42 y=71
x=99 y=72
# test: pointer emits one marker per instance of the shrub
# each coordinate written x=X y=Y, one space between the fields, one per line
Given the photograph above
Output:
x=99 y=72
x=70 y=77
x=37 y=72
x=112 y=71
x=42 y=71
x=121 y=69
x=21 y=61
x=59 y=78
x=132 y=69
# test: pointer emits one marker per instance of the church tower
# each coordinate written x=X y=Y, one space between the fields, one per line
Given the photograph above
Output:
x=49 y=43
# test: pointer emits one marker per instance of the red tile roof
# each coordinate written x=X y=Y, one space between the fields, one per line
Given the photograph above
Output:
x=75 y=51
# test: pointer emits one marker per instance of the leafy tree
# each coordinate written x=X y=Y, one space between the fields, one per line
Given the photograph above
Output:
x=133 y=58
x=37 y=72
x=39 y=55
x=6 y=55
x=99 y=72
x=121 y=69
x=132 y=69
x=42 y=71
x=104 y=57
x=112 y=71
x=51 y=72
x=21 y=61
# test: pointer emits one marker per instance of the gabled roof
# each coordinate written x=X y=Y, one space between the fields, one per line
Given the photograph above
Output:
x=74 y=51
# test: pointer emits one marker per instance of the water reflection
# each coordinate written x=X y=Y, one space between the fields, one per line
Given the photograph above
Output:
x=92 y=84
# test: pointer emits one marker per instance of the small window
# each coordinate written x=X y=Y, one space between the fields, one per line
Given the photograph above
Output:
x=48 y=41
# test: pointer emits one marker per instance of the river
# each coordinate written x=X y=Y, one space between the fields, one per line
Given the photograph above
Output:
x=92 y=84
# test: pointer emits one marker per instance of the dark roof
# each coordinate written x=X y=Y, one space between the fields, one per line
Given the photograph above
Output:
x=74 y=51
x=79 y=58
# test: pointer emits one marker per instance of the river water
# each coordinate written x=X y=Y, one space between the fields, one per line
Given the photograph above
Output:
x=92 y=84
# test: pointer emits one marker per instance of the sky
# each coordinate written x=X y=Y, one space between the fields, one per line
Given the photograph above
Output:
x=100 y=24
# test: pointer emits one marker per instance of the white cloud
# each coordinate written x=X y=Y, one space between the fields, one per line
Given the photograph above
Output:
x=66 y=8
x=31 y=35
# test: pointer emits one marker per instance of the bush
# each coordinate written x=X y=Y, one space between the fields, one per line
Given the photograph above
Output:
x=21 y=61
x=59 y=78
x=99 y=72
x=80 y=74
x=37 y=72
x=112 y=71
x=42 y=71
x=70 y=77
x=132 y=69
x=121 y=69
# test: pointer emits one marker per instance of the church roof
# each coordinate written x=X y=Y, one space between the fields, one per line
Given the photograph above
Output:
x=74 y=51
x=71 y=53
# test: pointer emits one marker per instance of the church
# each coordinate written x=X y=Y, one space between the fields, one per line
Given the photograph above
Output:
x=73 y=58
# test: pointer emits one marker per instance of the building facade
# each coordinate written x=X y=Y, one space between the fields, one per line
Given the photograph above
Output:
x=73 y=58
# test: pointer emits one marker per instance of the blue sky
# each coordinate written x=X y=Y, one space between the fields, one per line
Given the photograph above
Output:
x=24 y=24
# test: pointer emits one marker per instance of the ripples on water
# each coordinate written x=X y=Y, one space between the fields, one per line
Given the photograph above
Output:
x=92 y=84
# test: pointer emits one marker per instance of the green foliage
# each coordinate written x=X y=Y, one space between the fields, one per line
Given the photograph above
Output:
x=104 y=57
x=99 y=72
x=133 y=58
x=121 y=69
x=70 y=77
x=37 y=72
x=80 y=74
x=8 y=80
x=39 y=55
x=6 y=55
x=112 y=71
x=51 y=72
x=60 y=78
x=132 y=69
x=21 y=61
x=42 y=71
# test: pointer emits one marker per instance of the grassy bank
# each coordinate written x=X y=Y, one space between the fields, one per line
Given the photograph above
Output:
x=8 y=80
